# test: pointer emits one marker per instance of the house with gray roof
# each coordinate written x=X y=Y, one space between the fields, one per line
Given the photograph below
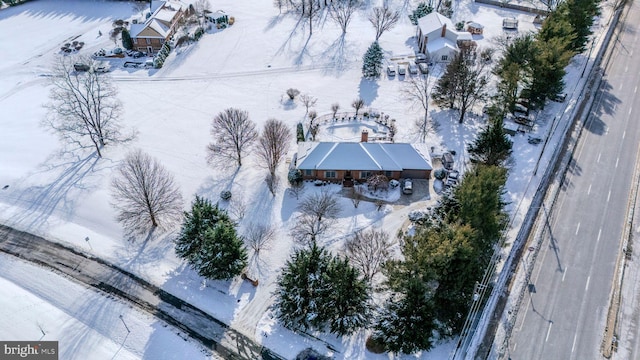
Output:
x=348 y=162
x=438 y=38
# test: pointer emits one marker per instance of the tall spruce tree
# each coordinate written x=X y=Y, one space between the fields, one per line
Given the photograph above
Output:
x=492 y=146
x=407 y=321
x=222 y=254
x=319 y=291
x=203 y=215
x=127 y=43
x=372 y=61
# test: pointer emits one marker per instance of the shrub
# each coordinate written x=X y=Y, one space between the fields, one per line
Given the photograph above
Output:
x=299 y=132
x=440 y=174
x=225 y=195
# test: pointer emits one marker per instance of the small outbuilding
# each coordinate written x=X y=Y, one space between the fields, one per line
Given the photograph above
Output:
x=474 y=28
x=510 y=23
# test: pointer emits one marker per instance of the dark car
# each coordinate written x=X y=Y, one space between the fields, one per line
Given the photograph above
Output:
x=81 y=67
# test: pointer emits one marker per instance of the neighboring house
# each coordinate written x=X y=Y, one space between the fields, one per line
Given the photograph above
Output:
x=159 y=27
x=438 y=38
x=348 y=162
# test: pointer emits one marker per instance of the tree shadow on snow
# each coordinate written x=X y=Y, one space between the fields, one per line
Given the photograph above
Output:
x=72 y=171
x=368 y=90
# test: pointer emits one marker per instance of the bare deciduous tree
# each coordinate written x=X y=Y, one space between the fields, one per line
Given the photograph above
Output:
x=341 y=11
x=357 y=104
x=368 y=250
x=356 y=196
x=259 y=236
x=297 y=188
x=237 y=207
x=308 y=101
x=272 y=182
x=201 y=7
x=84 y=105
x=334 y=108
x=145 y=194
x=318 y=212
x=417 y=90
x=273 y=144
x=383 y=19
x=233 y=132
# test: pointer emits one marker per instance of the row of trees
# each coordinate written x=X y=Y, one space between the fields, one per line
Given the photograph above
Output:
x=536 y=63
x=341 y=12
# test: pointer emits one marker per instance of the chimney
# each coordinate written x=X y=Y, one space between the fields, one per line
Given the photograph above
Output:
x=444 y=30
x=365 y=136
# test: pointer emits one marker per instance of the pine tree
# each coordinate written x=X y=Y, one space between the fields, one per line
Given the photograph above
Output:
x=406 y=323
x=492 y=146
x=319 y=291
x=349 y=300
x=372 y=61
x=203 y=216
x=222 y=254
x=127 y=43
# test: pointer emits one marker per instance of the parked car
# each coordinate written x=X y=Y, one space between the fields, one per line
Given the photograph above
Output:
x=101 y=68
x=423 y=67
x=560 y=97
x=407 y=187
x=519 y=108
x=81 y=67
x=402 y=70
x=452 y=178
x=413 y=69
x=391 y=70
x=421 y=58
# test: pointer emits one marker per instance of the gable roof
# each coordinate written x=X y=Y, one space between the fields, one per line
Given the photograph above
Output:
x=362 y=156
x=433 y=22
x=151 y=29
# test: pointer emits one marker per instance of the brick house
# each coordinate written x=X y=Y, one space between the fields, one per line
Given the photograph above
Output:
x=349 y=162
x=159 y=27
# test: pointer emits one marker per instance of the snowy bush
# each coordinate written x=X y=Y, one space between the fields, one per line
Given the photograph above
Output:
x=440 y=174
x=417 y=215
x=225 y=195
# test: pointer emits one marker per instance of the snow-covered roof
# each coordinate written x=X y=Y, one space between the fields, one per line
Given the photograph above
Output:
x=475 y=25
x=151 y=29
x=136 y=29
x=434 y=22
x=438 y=44
x=165 y=14
x=361 y=156
x=463 y=35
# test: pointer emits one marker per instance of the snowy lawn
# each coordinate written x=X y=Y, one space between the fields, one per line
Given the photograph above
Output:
x=63 y=193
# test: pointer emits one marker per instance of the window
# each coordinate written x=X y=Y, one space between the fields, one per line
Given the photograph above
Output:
x=388 y=174
x=135 y=41
x=365 y=174
x=308 y=172
x=330 y=174
x=445 y=57
x=148 y=41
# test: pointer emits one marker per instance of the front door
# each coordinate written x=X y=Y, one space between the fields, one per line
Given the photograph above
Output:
x=150 y=50
x=347 y=174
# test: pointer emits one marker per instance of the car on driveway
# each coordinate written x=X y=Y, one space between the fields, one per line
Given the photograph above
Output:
x=402 y=70
x=423 y=67
x=413 y=69
x=407 y=187
x=452 y=178
x=81 y=67
x=391 y=70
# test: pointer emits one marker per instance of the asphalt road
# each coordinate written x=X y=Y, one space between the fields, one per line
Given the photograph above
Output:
x=563 y=315
x=112 y=280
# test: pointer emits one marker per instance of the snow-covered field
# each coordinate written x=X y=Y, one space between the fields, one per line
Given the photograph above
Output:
x=63 y=194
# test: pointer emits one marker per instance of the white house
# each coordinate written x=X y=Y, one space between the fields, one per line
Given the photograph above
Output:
x=438 y=38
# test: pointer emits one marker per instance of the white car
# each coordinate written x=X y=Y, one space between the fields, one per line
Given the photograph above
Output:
x=423 y=67
x=407 y=187
x=391 y=70
x=413 y=69
x=402 y=70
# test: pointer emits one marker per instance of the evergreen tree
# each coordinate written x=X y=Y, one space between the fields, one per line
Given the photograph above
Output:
x=349 y=300
x=317 y=290
x=580 y=14
x=127 y=43
x=295 y=177
x=492 y=146
x=372 y=61
x=407 y=322
x=444 y=93
x=203 y=216
x=222 y=254
x=547 y=70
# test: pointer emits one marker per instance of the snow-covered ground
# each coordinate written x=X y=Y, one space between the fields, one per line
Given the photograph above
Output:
x=63 y=194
